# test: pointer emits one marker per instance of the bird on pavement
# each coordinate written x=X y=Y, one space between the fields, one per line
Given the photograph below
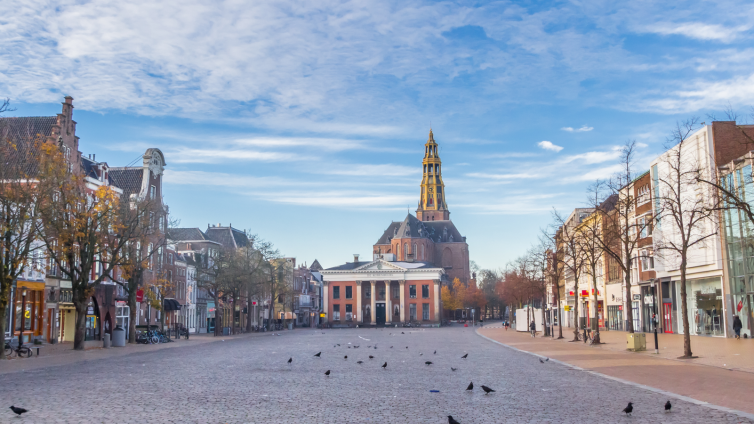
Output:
x=345 y=357
x=406 y=347
x=668 y=406
x=471 y=386
x=318 y=354
x=327 y=373
x=375 y=348
x=421 y=354
x=464 y=356
x=453 y=369
x=428 y=363
x=384 y=365
x=290 y=360
x=547 y=359
x=435 y=353
x=391 y=347
x=487 y=389
x=18 y=411
x=338 y=344
x=452 y=420
x=629 y=408
x=541 y=361
x=359 y=362
x=402 y=332
x=371 y=357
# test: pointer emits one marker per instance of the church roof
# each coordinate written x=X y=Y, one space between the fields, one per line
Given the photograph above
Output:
x=389 y=233
x=437 y=230
x=411 y=227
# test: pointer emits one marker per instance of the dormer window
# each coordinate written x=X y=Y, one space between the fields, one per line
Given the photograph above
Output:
x=152 y=192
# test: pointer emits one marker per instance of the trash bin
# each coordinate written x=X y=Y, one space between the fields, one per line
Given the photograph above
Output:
x=119 y=337
x=106 y=341
x=290 y=326
x=226 y=331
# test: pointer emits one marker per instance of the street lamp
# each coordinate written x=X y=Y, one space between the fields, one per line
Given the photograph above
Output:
x=654 y=315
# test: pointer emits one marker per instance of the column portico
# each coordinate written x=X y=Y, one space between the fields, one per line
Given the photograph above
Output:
x=437 y=300
x=360 y=318
x=372 y=313
x=388 y=304
x=402 y=284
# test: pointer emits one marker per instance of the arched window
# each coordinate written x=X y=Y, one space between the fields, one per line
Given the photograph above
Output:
x=422 y=252
x=405 y=250
x=416 y=252
x=397 y=250
x=425 y=169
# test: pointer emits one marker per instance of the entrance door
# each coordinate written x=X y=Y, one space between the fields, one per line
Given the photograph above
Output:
x=667 y=320
x=380 y=313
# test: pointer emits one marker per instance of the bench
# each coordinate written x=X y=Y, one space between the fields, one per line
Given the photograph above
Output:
x=34 y=346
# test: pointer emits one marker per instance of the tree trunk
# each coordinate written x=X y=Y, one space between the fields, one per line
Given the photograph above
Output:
x=628 y=302
x=80 y=334
x=576 y=312
x=557 y=309
x=218 y=314
x=248 y=312
x=684 y=311
x=132 y=316
x=3 y=307
x=596 y=339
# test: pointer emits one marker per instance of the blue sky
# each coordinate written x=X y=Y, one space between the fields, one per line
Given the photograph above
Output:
x=304 y=121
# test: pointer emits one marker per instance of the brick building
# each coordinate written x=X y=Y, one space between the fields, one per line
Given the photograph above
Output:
x=410 y=262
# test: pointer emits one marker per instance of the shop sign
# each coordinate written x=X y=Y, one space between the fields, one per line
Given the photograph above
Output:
x=584 y=293
x=140 y=295
x=649 y=300
x=566 y=308
x=322 y=315
x=90 y=310
x=637 y=297
x=620 y=307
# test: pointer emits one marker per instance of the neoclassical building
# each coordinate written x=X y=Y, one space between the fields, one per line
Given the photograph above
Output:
x=410 y=262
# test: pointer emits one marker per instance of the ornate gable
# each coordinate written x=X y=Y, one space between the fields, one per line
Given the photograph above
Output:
x=380 y=264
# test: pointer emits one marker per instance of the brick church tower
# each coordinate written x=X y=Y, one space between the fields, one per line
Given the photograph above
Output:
x=432 y=206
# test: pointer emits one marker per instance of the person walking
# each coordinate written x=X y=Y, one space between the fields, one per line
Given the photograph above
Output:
x=533 y=328
x=737 y=325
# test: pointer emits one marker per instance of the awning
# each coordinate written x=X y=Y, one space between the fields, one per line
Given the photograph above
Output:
x=170 y=305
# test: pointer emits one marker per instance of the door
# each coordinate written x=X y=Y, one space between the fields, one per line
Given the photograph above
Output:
x=667 y=319
x=380 y=313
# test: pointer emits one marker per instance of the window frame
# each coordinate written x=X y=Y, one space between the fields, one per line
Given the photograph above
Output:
x=425 y=286
x=349 y=292
x=412 y=289
x=336 y=292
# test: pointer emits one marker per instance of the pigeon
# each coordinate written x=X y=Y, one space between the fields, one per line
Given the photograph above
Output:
x=629 y=408
x=338 y=344
x=384 y=365
x=371 y=357
x=327 y=373
x=486 y=389
x=391 y=347
x=369 y=346
x=290 y=360
x=464 y=356
x=359 y=362
x=345 y=357
x=18 y=411
x=547 y=359
x=541 y=361
x=428 y=363
x=375 y=348
x=453 y=369
x=435 y=353
x=668 y=406
x=452 y=420
x=471 y=386
x=318 y=354
x=402 y=332
x=406 y=347
x=421 y=354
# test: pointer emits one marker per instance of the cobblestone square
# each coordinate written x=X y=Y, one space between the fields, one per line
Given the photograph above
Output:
x=248 y=380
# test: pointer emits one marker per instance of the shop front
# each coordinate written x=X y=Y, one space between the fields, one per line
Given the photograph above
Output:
x=648 y=308
x=28 y=311
x=614 y=294
x=705 y=307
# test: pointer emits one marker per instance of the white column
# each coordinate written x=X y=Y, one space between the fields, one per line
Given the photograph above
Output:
x=360 y=317
x=373 y=313
x=402 y=306
x=437 y=300
x=388 y=304
x=325 y=302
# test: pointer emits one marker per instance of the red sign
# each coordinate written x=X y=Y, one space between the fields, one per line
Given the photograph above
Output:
x=254 y=302
x=140 y=295
x=620 y=307
x=570 y=293
x=584 y=293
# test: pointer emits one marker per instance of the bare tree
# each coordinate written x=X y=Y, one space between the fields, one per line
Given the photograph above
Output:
x=572 y=260
x=551 y=239
x=685 y=219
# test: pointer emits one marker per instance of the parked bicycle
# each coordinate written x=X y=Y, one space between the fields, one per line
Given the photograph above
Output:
x=20 y=351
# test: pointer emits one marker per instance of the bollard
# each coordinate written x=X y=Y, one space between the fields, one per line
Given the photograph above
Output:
x=106 y=341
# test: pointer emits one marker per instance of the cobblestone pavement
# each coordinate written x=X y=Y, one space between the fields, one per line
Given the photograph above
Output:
x=249 y=380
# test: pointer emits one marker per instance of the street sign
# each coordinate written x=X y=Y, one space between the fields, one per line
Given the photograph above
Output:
x=566 y=308
x=321 y=315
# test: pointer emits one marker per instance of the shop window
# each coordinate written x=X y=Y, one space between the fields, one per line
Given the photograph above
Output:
x=412 y=312
x=425 y=291
x=349 y=292
x=336 y=312
x=425 y=311
x=336 y=292
x=412 y=291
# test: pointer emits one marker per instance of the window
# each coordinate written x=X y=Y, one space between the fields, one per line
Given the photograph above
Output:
x=368 y=292
x=349 y=312
x=642 y=195
x=349 y=292
x=412 y=312
x=152 y=192
x=412 y=291
x=336 y=292
x=422 y=247
x=425 y=311
x=405 y=250
x=336 y=312
x=396 y=293
x=415 y=251
x=425 y=291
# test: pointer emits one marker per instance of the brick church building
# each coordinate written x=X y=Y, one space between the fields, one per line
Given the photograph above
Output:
x=410 y=262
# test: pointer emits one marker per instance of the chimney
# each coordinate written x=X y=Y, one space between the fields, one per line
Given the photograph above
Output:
x=355 y=257
x=219 y=225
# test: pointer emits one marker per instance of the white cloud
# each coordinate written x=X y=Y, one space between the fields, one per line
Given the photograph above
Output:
x=502 y=176
x=547 y=145
x=584 y=128
x=698 y=30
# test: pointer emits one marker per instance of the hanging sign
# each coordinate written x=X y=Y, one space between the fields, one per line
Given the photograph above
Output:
x=140 y=295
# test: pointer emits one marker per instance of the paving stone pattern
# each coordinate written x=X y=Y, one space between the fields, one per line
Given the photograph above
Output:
x=249 y=380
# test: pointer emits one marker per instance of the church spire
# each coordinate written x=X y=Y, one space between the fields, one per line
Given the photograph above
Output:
x=432 y=206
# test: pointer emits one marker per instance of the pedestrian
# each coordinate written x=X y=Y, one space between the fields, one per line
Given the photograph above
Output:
x=737 y=324
x=533 y=328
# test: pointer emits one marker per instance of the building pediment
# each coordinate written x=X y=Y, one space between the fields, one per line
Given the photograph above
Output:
x=379 y=265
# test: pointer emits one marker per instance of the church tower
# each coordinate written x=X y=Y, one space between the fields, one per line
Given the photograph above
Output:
x=432 y=205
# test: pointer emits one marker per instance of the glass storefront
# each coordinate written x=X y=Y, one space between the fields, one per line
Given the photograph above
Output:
x=615 y=317
x=705 y=307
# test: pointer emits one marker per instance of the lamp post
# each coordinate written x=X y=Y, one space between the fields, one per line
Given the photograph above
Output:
x=654 y=315
x=23 y=317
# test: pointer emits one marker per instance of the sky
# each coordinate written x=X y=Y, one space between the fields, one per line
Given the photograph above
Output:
x=304 y=121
